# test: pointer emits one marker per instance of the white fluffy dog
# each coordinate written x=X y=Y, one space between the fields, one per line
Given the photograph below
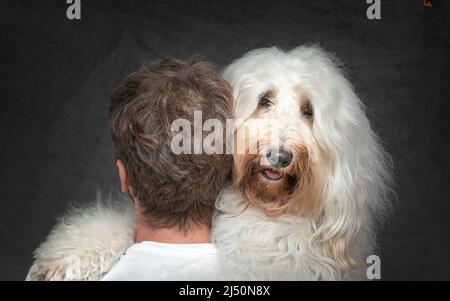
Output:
x=310 y=213
x=308 y=192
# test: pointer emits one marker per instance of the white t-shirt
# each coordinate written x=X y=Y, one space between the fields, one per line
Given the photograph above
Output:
x=161 y=261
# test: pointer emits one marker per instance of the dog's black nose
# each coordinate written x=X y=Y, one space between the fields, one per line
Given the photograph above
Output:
x=279 y=158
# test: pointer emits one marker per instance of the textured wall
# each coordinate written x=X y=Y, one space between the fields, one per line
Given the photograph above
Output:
x=57 y=76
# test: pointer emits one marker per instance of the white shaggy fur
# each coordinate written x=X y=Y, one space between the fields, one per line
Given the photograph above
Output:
x=86 y=242
x=257 y=247
x=330 y=245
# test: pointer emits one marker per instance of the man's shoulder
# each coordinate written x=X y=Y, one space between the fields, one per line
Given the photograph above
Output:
x=156 y=261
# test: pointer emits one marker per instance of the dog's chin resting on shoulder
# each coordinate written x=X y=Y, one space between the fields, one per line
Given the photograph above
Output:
x=309 y=189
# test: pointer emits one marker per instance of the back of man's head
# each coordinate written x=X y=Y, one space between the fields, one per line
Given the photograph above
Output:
x=171 y=190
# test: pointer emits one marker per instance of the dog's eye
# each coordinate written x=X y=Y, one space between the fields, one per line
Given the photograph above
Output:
x=264 y=101
x=307 y=110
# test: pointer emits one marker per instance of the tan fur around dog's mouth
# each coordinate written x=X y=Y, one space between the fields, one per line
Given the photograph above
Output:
x=272 y=174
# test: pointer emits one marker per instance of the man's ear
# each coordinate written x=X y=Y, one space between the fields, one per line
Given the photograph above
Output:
x=123 y=175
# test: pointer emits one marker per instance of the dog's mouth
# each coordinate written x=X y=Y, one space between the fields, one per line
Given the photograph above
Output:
x=272 y=174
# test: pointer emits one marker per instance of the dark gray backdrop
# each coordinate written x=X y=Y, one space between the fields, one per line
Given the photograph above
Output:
x=57 y=76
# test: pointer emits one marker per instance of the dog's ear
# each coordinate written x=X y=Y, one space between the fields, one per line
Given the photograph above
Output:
x=357 y=187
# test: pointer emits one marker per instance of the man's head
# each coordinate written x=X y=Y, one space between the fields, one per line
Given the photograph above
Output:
x=170 y=190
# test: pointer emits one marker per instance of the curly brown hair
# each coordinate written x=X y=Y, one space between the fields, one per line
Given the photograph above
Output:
x=171 y=190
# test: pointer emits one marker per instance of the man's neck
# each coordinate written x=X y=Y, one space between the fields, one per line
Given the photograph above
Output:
x=195 y=234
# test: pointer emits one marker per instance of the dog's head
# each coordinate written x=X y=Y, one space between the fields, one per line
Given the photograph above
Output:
x=278 y=159
x=303 y=144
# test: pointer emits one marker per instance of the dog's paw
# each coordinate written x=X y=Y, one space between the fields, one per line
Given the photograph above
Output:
x=58 y=269
x=85 y=244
